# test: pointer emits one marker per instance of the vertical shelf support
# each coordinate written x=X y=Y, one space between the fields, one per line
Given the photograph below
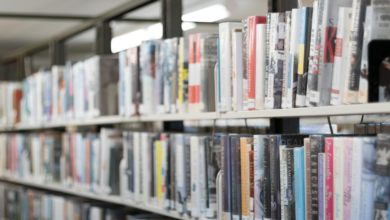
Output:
x=171 y=11
x=103 y=38
x=57 y=53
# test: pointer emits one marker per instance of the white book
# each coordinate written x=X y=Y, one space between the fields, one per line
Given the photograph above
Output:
x=338 y=177
x=237 y=66
x=293 y=61
x=283 y=182
x=128 y=84
x=195 y=177
x=202 y=178
x=164 y=168
x=225 y=61
x=146 y=168
x=269 y=102
x=356 y=177
x=137 y=166
x=3 y=153
x=340 y=58
x=261 y=64
x=286 y=61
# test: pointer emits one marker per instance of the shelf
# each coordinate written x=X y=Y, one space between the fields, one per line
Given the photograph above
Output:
x=180 y=117
x=358 y=109
x=104 y=198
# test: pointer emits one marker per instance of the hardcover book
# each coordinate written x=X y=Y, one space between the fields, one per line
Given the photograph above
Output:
x=382 y=171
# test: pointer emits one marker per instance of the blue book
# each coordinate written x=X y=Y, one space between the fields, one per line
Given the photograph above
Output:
x=321 y=186
x=299 y=186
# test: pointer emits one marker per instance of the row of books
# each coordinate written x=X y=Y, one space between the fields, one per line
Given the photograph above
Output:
x=305 y=177
x=302 y=58
x=169 y=171
x=20 y=203
x=78 y=90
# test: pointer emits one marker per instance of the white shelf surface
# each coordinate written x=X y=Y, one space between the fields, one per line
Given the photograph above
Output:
x=358 y=109
x=104 y=198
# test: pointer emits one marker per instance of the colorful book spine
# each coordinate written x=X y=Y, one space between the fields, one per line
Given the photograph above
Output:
x=191 y=73
x=252 y=184
x=245 y=144
x=329 y=178
x=338 y=177
x=261 y=64
x=198 y=72
x=252 y=22
x=299 y=186
x=306 y=147
x=340 y=56
x=304 y=27
x=286 y=61
x=258 y=143
x=321 y=185
x=183 y=76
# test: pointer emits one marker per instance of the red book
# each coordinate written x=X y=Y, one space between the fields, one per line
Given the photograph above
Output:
x=198 y=70
x=329 y=178
x=17 y=97
x=191 y=71
x=252 y=181
x=251 y=65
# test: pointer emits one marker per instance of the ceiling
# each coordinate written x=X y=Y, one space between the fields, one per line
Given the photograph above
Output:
x=20 y=33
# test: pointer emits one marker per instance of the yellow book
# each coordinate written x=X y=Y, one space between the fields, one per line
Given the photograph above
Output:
x=158 y=169
x=245 y=145
x=183 y=73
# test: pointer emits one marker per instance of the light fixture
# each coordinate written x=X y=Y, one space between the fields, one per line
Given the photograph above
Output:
x=185 y=26
x=208 y=14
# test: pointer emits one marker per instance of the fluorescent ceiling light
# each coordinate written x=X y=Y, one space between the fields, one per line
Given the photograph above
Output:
x=135 y=38
x=208 y=14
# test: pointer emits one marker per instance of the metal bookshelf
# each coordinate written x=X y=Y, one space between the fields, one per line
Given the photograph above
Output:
x=103 y=198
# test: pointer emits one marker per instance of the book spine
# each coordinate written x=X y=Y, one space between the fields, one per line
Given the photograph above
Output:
x=261 y=64
x=227 y=191
x=245 y=64
x=267 y=52
x=329 y=193
x=354 y=52
x=347 y=176
x=368 y=178
x=236 y=179
x=158 y=173
x=252 y=65
x=266 y=187
x=290 y=200
x=286 y=61
x=314 y=151
x=252 y=184
x=340 y=55
x=302 y=62
x=271 y=61
x=198 y=72
x=321 y=186
x=299 y=187
x=195 y=178
x=237 y=96
x=191 y=73
x=313 y=36
x=259 y=176
x=338 y=177
x=274 y=169
x=283 y=183
x=307 y=178
x=188 y=204
x=318 y=58
x=293 y=60
x=183 y=77
x=277 y=67
x=356 y=177
x=202 y=176
x=381 y=203
x=245 y=144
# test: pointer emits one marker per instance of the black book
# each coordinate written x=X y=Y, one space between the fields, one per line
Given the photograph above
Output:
x=168 y=173
x=57 y=151
x=187 y=146
x=378 y=77
x=236 y=178
x=116 y=155
x=267 y=181
x=152 y=138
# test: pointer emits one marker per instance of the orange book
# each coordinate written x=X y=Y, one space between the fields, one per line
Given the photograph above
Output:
x=252 y=182
x=17 y=97
x=246 y=146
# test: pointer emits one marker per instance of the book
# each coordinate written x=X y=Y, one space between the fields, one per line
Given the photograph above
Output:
x=147 y=75
x=259 y=157
x=340 y=55
x=381 y=193
x=329 y=192
x=293 y=59
x=299 y=185
x=236 y=177
x=260 y=65
x=313 y=38
x=307 y=158
x=267 y=53
x=374 y=29
x=286 y=61
x=338 y=177
x=287 y=183
x=225 y=41
x=213 y=157
x=303 y=57
x=352 y=77
x=347 y=176
x=183 y=76
x=227 y=176
x=272 y=57
x=245 y=147
x=252 y=184
x=237 y=70
x=251 y=61
x=366 y=209
x=245 y=64
x=321 y=185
